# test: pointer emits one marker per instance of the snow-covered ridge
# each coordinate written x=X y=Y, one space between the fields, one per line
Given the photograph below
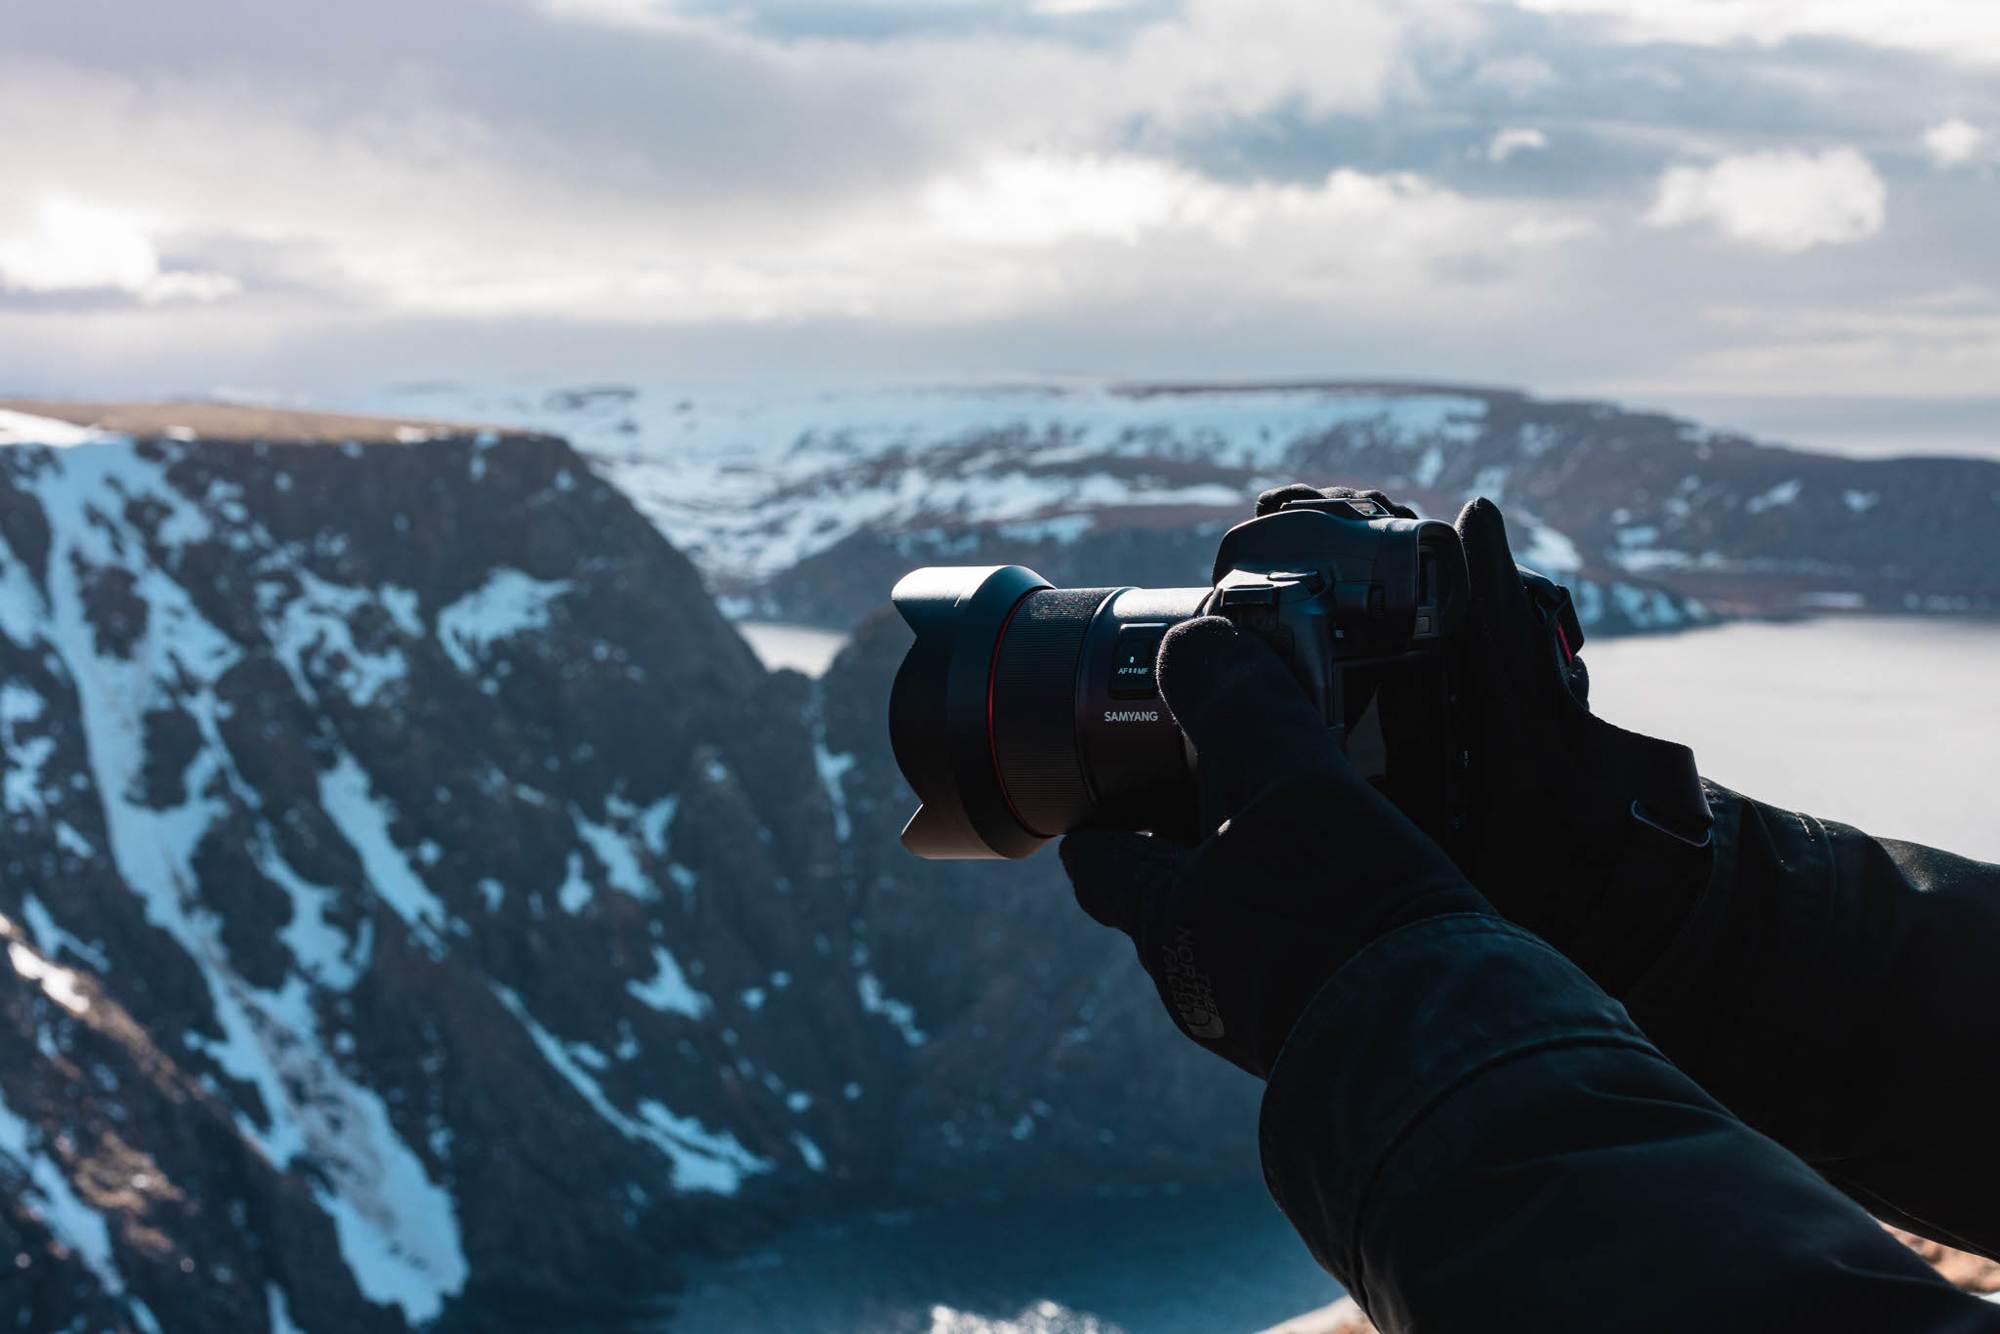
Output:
x=751 y=482
x=754 y=483
x=23 y=428
x=804 y=504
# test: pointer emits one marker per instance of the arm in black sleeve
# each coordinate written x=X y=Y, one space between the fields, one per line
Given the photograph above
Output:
x=1842 y=994
x=1471 y=1135
x=1839 y=992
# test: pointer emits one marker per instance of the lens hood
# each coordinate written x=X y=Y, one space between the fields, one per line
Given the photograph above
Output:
x=940 y=710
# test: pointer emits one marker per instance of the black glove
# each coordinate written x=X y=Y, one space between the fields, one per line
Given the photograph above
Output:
x=1595 y=838
x=1240 y=932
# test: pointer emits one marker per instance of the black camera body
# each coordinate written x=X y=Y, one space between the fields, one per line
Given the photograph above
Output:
x=1024 y=711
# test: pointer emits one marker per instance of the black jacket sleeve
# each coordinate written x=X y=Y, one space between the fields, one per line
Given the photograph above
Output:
x=1470 y=1134
x=1841 y=993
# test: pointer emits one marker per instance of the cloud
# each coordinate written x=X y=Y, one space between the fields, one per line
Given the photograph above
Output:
x=1953 y=143
x=1074 y=6
x=60 y=245
x=1961 y=30
x=1208 y=61
x=1513 y=140
x=1040 y=202
x=1181 y=186
x=1860 y=348
x=1785 y=200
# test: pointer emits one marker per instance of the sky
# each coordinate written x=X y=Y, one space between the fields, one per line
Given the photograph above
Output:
x=1675 y=201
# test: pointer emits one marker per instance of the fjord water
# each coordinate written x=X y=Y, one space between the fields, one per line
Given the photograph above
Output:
x=1888 y=723
x=803 y=648
x=1892 y=724
x=1212 y=1261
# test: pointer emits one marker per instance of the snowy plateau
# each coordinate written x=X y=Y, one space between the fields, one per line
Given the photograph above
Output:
x=805 y=505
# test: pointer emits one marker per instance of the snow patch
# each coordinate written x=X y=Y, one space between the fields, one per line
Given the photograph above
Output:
x=276 y=1312
x=313 y=635
x=51 y=939
x=832 y=768
x=1646 y=608
x=364 y=821
x=1784 y=493
x=1043 y=1317
x=1429 y=468
x=575 y=891
x=667 y=990
x=508 y=604
x=901 y=1015
x=1550 y=552
x=321 y=949
x=654 y=822
x=614 y=852
x=49 y=1196
x=21 y=428
x=701 y=1159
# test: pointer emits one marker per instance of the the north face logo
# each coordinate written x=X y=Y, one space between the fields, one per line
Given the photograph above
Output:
x=1189 y=990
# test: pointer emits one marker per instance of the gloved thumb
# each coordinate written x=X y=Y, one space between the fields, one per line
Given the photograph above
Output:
x=1247 y=717
x=1118 y=876
x=1519 y=647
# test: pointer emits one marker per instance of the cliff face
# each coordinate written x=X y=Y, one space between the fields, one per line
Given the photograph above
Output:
x=421 y=905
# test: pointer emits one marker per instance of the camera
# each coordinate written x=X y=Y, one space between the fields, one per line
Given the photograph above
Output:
x=1024 y=711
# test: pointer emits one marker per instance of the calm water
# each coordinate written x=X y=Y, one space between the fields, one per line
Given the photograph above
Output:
x=803 y=648
x=1886 y=723
x=1199 y=1262
x=1890 y=724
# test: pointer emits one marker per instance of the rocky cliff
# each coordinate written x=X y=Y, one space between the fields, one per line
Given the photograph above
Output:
x=422 y=907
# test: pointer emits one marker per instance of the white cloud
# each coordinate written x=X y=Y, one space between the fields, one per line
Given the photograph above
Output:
x=1212 y=61
x=1519 y=76
x=1161 y=184
x=1513 y=140
x=56 y=244
x=414 y=211
x=64 y=246
x=1074 y=6
x=1962 y=30
x=1785 y=200
x=1040 y=202
x=1953 y=143
x=1024 y=235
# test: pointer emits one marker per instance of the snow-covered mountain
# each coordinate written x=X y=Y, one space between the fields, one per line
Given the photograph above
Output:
x=806 y=505
x=421 y=904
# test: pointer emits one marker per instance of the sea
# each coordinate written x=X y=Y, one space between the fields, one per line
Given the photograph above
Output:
x=1891 y=724
x=1209 y=1261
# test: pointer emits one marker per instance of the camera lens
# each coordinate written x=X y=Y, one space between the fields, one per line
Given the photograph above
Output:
x=1024 y=711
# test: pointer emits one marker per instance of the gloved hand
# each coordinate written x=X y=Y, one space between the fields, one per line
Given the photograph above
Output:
x=1240 y=932
x=1595 y=838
